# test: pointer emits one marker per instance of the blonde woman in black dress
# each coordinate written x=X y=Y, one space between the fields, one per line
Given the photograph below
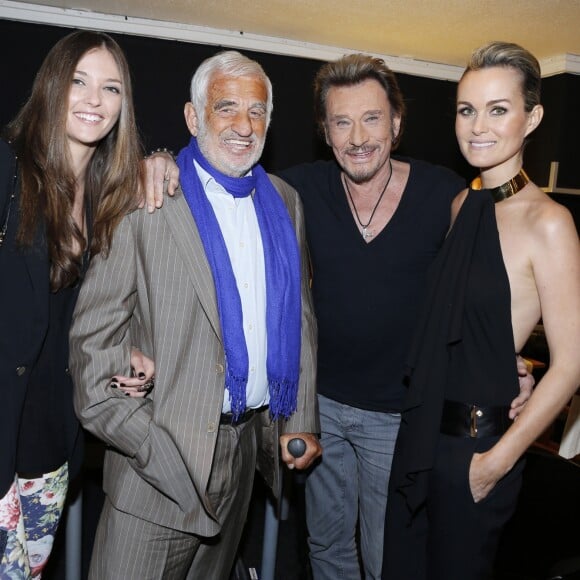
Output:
x=511 y=258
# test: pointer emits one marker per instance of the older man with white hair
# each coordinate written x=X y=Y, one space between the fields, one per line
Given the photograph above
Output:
x=214 y=289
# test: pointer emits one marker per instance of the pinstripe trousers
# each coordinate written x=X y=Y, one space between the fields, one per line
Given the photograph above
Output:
x=130 y=548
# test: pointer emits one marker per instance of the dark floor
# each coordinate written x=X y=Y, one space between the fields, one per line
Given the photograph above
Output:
x=543 y=533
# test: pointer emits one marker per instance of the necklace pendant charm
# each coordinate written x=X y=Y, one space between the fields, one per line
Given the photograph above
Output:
x=364 y=227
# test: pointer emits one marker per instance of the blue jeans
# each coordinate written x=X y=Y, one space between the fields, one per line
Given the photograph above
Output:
x=348 y=486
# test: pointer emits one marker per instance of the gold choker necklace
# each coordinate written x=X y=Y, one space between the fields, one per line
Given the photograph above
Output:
x=506 y=189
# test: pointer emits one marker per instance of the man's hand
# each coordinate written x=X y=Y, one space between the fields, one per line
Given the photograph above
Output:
x=142 y=378
x=161 y=177
x=527 y=383
x=313 y=450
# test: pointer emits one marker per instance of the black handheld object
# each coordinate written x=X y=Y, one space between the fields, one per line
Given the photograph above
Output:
x=297 y=447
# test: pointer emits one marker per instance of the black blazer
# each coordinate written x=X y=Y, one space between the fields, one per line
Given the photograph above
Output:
x=24 y=317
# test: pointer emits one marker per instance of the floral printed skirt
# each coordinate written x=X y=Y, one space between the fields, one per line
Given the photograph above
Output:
x=29 y=516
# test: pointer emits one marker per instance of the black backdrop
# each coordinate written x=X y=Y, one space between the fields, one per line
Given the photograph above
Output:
x=162 y=69
x=161 y=72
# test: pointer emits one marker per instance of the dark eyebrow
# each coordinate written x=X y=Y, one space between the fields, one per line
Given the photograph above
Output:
x=111 y=80
x=489 y=103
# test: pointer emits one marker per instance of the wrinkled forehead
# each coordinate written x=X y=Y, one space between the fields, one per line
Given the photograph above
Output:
x=247 y=88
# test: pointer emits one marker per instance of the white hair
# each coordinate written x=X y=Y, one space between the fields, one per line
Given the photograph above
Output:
x=227 y=63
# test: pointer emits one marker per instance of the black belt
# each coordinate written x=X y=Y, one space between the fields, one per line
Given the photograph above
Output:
x=228 y=418
x=463 y=420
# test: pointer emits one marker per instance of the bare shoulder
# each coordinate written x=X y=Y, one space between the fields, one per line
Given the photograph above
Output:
x=537 y=233
x=547 y=234
x=548 y=220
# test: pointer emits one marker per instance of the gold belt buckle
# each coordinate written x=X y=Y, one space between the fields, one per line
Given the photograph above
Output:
x=474 y=414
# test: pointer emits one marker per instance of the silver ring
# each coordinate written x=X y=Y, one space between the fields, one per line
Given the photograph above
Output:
x=148 y=386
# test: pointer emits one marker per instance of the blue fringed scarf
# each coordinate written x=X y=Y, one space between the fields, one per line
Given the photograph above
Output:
x=282 y=266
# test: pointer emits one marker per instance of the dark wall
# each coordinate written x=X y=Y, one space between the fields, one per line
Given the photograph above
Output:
x=569 y=122
x=558 y=133
x=162 y=69
x=161 y=72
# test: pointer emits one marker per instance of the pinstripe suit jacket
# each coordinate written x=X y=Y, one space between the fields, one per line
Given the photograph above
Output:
x=155 y=290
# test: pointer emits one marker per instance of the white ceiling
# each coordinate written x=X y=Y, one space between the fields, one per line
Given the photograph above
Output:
x=430 y=37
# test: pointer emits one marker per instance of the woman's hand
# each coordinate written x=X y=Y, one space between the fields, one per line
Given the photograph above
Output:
x=481 y=478
x=142 y=379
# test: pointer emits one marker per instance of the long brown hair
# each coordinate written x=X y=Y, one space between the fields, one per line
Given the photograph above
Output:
x=47 y=181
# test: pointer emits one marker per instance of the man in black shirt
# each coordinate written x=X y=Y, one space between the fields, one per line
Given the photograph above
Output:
x=373 y=223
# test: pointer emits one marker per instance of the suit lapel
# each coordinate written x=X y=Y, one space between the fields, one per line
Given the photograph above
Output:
x=191 y=250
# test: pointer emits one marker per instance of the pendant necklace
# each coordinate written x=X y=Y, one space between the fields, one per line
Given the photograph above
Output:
x=506 y=189
x=365 y=233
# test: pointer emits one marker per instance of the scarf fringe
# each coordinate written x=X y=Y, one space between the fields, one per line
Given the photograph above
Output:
x=283 y=398
x=236 y=387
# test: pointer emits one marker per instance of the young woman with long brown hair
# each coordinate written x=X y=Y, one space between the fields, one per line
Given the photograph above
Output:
x=69 y=171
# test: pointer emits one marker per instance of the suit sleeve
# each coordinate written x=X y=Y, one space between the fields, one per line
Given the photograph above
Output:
x=100 y=342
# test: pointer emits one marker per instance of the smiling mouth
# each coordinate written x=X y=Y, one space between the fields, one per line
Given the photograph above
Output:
x=89 y=117
x=360 y=154
x=481 y=144
x=238 y=143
